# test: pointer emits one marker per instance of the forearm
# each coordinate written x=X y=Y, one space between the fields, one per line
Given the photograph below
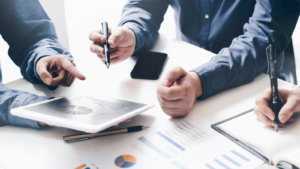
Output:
x=42 y=48
x=144 y=19
x=11 y=99
x=246 y=57
x=29 y=33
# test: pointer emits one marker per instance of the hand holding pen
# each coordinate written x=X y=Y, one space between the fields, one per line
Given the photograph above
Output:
x=275 y=96
x=287 y=114
x=121 y=41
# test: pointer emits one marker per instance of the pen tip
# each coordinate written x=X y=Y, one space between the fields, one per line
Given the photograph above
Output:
x=107 y=65
x=276 y=127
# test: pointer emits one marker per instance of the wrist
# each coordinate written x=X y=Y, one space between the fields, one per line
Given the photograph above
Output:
x=132 y=35
x=42 y=123
x=198 y=84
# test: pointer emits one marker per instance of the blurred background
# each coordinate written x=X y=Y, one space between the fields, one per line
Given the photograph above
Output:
x=68 y=14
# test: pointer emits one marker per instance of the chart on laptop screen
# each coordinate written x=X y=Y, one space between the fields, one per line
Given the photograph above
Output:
x=87 y=109
x=74 y=109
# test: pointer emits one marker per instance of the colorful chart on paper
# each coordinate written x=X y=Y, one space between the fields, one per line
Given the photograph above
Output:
x=74 y=110
x=83 y=166
x=125 y=161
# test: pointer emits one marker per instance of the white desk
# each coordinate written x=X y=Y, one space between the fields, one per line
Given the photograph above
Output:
x=30 y=148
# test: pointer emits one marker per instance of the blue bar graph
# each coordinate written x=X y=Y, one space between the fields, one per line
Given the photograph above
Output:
x=209 y=166
x=154 y=147
x=231 y=160
x=222 y=164
x=170 y=140
x=179 y=165
x=240 y=155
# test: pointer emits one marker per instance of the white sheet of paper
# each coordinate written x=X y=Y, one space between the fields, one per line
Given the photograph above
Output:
x=247 y=129
x=88 y=157
x=185 y=143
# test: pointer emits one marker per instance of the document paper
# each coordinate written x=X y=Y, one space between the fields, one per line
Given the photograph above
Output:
x=185 y=143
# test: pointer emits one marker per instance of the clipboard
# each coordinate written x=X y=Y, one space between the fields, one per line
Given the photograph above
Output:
x=243 y=145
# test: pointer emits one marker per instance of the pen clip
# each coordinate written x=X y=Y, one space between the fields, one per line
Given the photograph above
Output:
x=268 y=60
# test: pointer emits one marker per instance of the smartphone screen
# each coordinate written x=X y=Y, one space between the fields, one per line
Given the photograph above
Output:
x=149 y=65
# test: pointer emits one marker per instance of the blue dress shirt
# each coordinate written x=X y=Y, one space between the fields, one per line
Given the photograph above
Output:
x=238 y=30
x=30 y=33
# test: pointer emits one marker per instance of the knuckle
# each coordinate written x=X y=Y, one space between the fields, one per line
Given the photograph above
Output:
x=70 y=66
x=289 y=110
x=175 y=70
x=116 y=37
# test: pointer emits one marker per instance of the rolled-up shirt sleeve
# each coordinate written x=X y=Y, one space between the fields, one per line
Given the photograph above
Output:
x=13 y=98
x=30 y=34
x=272 y=22
x=144 y=19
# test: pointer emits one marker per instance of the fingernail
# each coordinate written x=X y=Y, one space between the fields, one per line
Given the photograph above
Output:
x=111 y=42
x=283 y=118
x=271 y=118
x=48 y=80
x=166 y=82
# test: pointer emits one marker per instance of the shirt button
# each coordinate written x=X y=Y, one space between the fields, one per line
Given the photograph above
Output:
x=206 y=16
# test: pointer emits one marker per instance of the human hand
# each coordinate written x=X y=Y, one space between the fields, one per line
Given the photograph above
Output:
x=121 y=41
x=291 y=106
x=45 y=124
x=58 y=70
x=178 y=92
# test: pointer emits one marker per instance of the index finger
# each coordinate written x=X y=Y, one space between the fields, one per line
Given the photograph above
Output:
x=96 y=36
x=171 y=93
x=68 y=66
x=262 y=103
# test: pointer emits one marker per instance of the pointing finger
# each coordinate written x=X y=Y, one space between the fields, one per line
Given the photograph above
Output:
x=263 y=105
x=68 y=66
x=97 y=37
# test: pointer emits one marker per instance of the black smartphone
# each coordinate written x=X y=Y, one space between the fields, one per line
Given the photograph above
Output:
x=149 y=65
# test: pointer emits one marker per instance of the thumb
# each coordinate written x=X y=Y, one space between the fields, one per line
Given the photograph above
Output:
x=288 y=110
x=173 y=75
x=116 y=37
x=45 y=75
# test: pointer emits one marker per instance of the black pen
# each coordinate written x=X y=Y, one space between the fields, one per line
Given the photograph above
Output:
x=106 y=45
x=83 y=137
x=272 y=71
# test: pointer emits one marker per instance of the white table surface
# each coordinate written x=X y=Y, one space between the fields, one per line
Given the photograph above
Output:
x=31 y=148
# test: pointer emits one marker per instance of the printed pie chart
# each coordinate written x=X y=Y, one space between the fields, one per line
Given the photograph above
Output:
x=74 y=110
x=125 y=161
